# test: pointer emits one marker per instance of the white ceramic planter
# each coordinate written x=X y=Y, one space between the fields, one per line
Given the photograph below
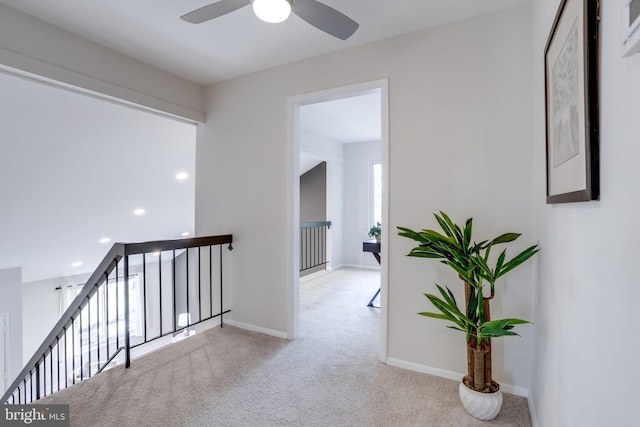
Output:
x=483 y=406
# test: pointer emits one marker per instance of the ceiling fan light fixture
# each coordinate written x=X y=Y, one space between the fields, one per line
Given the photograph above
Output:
x=272 y=11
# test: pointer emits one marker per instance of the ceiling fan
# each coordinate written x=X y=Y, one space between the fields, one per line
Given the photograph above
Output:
x=318 y=14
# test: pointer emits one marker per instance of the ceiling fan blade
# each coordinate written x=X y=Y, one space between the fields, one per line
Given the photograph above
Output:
x=325 y=18
x=214 y=10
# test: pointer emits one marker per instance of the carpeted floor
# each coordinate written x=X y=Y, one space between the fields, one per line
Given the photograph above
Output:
x=329 y=376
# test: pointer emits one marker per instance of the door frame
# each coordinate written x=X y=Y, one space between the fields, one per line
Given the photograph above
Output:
x=293 y=198
x=5 y=328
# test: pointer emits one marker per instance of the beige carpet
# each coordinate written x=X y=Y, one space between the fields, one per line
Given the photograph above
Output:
x=330 y=376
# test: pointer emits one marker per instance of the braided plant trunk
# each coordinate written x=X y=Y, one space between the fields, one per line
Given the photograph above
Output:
x=479 y=373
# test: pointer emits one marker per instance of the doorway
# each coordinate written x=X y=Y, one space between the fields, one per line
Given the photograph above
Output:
x=297 y=144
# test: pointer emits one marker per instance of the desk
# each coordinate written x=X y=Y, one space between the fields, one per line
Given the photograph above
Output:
x=373 y=247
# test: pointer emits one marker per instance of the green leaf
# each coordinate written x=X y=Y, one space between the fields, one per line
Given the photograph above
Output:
x=480 y=306
x=504 y=322
x=506 y=237
x=500 y=262
x=445 y=227
x=434 y=237
x=453 y=298
x=461 y=271
x=456 y=230
x=518 y=259
x=482 y=264
x=468 y=227
x=435 y=315
x=456 y=315
x=477 y=247
x=405 y=232
x=500 y=328
x=424 y=255
x=472 y=309
x=495 y=332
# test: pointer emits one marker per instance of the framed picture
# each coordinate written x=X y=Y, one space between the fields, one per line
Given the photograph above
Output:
x=572 y=108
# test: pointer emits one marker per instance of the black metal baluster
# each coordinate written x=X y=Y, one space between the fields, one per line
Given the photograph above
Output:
x=127 y=343
x=199 y=285
x=314 y=249
x=144 y=293
x=37 y=381
x=98 y=325
x=221 y=309
x=309 y=243
x=160 y=289
x=58 y=360
x=73 y=350
x=66 y=356
x=324 y=249
x=186 y=285
x=320 y=260
x=211 y=278
x=50 y=369
x=89 y=333
x=173 y=281
x=81 y=352
x=39 y=389
x=117 y=309
x=106 y=313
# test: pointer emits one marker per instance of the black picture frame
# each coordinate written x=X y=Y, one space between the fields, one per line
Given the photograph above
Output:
x=572 y=103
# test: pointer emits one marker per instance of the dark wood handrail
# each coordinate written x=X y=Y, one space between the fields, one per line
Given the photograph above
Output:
x=304 y=225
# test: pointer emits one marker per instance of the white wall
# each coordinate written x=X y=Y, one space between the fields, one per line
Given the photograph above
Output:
x=38 y=48
x=41 y=310
x=11 y=302
x=586 y=297
x=358 y=158
x=460 y=140
x=313 y=194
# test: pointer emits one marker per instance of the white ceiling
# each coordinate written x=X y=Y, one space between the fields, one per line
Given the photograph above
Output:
x=346 y=120
x=238 y=43
x=352 y=119
x=73 y=169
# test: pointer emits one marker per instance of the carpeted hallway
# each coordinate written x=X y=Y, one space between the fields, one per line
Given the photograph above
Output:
x=329 y=376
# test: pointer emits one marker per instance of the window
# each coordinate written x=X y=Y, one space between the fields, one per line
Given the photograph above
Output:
x=376 y=193
x=110 y=317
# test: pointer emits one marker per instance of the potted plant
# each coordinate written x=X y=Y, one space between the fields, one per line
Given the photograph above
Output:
x=375 y=231
x=471 y=261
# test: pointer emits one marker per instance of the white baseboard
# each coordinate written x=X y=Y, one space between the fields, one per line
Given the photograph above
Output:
x=312 y=276
x=254 y=328
x=456 y=376
x=532 y=412
x=364 y=267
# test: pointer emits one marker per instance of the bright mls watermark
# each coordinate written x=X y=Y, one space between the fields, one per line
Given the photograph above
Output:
x=34 y=415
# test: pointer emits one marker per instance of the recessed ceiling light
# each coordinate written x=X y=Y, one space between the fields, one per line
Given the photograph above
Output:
x=182 y=176
x=105 y=240
x=185 y=234
x=76 y=264
x=139 y=211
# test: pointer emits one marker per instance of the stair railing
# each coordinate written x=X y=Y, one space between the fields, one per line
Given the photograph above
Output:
x=313 y=245
x=151 y=289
